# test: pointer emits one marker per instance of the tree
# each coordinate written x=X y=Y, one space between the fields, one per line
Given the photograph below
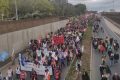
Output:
x=69 y=10
x=4 y=7
x=80 y=9
x=39 y=8
x=43 y=6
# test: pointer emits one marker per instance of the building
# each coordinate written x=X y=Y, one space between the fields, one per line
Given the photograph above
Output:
x=112 y=10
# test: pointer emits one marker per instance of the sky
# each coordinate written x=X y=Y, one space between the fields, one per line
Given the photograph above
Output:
x=99 y=5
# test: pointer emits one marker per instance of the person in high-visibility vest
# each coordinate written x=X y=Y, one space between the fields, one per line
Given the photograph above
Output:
x=47 y=75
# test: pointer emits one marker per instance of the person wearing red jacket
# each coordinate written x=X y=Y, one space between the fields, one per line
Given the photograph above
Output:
x=23 y=75
x=57 y=75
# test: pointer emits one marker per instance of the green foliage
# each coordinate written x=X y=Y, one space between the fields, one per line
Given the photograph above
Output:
x=69 y=9
x=39 y=8
x=80 y=9
x=4 y=7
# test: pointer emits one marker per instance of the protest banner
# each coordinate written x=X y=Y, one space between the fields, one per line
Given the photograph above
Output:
x=40 y=70
x=58 y=40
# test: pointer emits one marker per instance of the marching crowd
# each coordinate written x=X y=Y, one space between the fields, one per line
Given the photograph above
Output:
x=56 y=50
x=108 y=47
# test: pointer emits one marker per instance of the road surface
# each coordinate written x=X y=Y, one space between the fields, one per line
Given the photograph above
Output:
x=96 y=57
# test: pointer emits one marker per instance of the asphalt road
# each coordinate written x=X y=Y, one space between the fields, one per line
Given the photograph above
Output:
x=96 y=57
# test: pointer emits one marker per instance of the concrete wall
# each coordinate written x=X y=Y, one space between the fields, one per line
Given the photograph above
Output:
x=19 y=39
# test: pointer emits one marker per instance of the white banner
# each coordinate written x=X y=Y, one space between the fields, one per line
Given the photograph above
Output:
x=40 y=70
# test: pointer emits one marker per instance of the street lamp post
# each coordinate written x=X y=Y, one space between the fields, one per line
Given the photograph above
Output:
x=16 y=10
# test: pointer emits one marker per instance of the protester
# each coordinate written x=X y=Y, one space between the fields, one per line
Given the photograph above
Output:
x=116 y=45
x=34 y=75
x=57 y=74
x=111 y=59
x=56 y=49
x=10 y=73
x=1 y=77
x=101 y=48
x=103 y=59
x=116 y=57
x=78 y=65
x=47 y=75
x=18 y=72
x=104 y=77
x=116 y=77
x=108 y=46
x=102 y=68
x=5 y=78
x=23 y=75
x=111 y=41
x=95 y=43
x=107 y=72
x=85 y=76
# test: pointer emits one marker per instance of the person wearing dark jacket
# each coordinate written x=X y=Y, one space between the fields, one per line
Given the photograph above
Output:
x=111 y=59
x=116 y=77
x=102 y=68
x=116 y=45
x=111 y=41
x=116 y=57
x=85 y=76
x=34 y=75
x=108 y=69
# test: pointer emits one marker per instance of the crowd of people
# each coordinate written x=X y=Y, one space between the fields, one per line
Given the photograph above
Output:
x=57 y=50
x=108 y=47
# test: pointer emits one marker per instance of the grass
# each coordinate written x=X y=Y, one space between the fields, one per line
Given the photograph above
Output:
x=72 y=74
x=87 y=52
x=72 y=71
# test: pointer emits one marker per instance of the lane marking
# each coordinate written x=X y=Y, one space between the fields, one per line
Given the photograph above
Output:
x=91 y=63
x=109 y=28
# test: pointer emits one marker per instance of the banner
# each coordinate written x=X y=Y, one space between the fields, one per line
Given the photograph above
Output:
x=40 y=70
x=58 y=39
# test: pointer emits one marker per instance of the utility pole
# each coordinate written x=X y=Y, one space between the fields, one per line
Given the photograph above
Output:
x=16 y=10
x=114 y=5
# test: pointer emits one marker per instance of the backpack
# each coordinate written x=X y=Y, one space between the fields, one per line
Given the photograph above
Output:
x=116 y=56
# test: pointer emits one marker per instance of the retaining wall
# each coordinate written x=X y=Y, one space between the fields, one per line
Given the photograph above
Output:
x=19 y=40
